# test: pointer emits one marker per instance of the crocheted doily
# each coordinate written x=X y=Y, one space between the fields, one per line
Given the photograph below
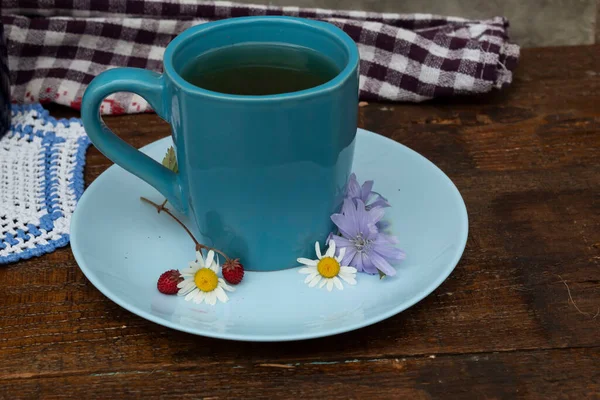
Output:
x=41 y=180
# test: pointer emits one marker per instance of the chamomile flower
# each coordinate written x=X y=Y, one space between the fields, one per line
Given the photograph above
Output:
x=327 y=270
x=201 y=282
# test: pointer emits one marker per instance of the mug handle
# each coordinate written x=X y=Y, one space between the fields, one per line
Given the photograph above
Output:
x=150 y=86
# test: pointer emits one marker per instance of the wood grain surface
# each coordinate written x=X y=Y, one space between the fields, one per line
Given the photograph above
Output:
x=503 y=325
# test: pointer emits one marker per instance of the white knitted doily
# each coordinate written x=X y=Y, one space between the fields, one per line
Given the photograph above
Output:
x=41 y=180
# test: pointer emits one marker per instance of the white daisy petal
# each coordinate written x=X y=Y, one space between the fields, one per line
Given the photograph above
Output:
x=323 y=282
x=221 y=295
x=209 y=259
x=225 y=286
x=307 y=270
x=349 y=279
x=191 y=294
x=338 y=283
x=331 y=250
x=215 y=266
x=314 y=281
x=349 y=270
x=183 y=292
x=307 y=261
x=330 y=285
x=310 y=277
x=199 y=259
x=182 y=283
x=346 y=274
x=211 y=298
x=340 y=256
x=318 y=250
x=186 y=285
x=200 y=297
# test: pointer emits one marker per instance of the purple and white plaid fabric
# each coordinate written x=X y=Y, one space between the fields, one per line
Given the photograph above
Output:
x=56 y=47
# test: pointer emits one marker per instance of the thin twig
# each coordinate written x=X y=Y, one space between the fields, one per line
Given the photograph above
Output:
x=573 y=301
x=199 y=246
x=162 y=206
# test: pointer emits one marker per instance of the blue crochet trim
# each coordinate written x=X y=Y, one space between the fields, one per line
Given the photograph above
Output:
x=50 y=157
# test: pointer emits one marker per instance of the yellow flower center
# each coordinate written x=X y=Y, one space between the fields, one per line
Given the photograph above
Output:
x=328 y=267
x=206 y=279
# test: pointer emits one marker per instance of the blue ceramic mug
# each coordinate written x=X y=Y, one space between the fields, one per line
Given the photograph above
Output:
x=260 y=175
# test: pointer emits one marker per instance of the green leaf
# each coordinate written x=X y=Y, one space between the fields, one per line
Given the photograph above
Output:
x=381 y=274
x=170 y=160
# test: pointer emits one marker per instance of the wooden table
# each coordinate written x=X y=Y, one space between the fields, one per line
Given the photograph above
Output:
x=519 y=317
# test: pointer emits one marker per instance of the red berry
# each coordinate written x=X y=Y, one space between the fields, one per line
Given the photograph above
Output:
x=167 y=283
x=233 y=271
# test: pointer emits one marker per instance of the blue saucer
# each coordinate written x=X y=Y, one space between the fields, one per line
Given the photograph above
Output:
x=122 y=246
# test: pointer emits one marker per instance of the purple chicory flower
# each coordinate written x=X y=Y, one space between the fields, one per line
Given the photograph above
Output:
x=366 y=248
x=365 y=193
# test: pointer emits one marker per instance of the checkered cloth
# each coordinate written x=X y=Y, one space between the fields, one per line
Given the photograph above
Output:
x=56 y=47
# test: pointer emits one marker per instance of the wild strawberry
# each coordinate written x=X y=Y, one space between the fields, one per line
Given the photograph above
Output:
x=233 y=271
x=167 y=283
